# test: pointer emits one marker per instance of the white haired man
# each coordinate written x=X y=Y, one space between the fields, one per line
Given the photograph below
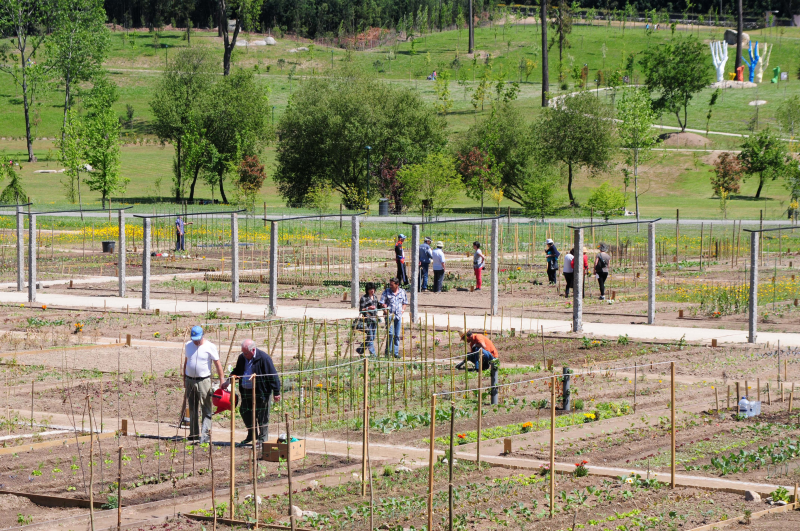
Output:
x=255 y=369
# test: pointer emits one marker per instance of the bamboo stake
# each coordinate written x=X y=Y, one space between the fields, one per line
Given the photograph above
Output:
x=365 y=434
x=91 y=466
x=552 y=446
x=255 y=458
x=292 y=524
x=431 y=458
x=233 y=443
x=673 y=429
x=716 y=398
x=119 y=488
x=450 y=466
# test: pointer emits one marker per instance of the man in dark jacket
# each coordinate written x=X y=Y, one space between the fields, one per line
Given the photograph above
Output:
x=254 y=367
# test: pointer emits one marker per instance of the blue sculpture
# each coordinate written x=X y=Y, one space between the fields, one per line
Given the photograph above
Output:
x=751 y=65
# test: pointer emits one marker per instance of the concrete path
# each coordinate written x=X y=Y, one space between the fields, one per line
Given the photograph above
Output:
x=258 y=311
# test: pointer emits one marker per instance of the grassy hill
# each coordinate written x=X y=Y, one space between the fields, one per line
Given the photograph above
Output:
x=674 y=179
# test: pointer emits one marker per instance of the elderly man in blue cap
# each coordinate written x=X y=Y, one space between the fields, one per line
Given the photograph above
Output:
x=200 y=355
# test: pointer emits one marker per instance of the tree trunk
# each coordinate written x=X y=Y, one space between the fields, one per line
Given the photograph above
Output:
x=760 y=185
x=222 y=188
x=179 y=171
x=636 y=183
x=569 y=185
x=194 y=182
x=27 y=109
x=471 y=30
x=545 y=72
x=66 y=106
x=229 y=46
x=739 y=30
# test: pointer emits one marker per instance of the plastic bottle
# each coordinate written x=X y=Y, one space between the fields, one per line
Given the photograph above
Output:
x=744 y=406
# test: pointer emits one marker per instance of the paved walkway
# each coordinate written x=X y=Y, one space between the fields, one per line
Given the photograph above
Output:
x=258 y=311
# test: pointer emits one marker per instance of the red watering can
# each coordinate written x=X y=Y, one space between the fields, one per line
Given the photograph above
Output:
x=221 y=400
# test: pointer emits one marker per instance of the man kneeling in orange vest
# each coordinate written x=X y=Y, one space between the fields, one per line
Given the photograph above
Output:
x=484 y=350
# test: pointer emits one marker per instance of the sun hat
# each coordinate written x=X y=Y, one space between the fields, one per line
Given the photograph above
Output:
x=197 y=333
x=401 y=236
x=548 y=240
x=439 y=244
x=427 y=239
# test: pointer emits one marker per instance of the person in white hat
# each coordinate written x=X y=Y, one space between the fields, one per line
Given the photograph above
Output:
x=552 y=255
x=438 y=267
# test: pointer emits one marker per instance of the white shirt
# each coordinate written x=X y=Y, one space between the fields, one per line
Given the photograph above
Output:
x=438 y=259
x=478 y=259
x=199 y=359
x=568 y=258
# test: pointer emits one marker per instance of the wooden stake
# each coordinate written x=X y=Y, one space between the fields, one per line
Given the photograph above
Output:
x=450 y=466
x=365 y=434
x=255 y=457
x=292 y=524
x=716 y=398
x=233 y=443
x=91 y=466
x=673 y=430
x=769 y=398
x=480 y=406
x=758 y=389
x=119 y=489
x=553 y=446
x=431 y=462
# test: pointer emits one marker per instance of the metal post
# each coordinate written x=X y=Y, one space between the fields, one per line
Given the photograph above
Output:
x=495 y=267
x=567 y=405
x=146 y=238
x=355 y=236
x=273 y=268
x=651 y=273
x=414 y=272
x=235 y=257
x=122 y=256
x=577 y=288
x=31 y=257
x=20 y=250
x=753 y=306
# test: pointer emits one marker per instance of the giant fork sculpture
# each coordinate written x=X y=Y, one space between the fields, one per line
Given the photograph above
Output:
x=751 y=64
x=719 y=54
x=763 y=63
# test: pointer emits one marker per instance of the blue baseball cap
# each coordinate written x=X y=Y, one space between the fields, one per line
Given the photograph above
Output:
x=197 y=333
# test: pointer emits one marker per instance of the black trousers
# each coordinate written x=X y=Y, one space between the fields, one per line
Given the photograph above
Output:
x=551 y=275
x=601 y=281
x=261 y=431
x=568 y=279
x=401 y=273
x=438 y=278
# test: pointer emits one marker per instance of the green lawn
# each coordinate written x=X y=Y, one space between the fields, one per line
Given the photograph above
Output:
x=673 y=181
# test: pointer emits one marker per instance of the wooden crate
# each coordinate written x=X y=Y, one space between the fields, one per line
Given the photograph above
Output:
x=274 y=451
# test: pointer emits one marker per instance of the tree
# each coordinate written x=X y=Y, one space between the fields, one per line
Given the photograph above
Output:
x=101 y=141
x=607 y=200
x=540 y=196
x=433 y=182
x=78 y=46
x=763 y=154
x=251 y=176
x=501 y=141
x=578 y=132
x=562 y=25
x=677 y=71
x=237 y=124
x=13 y=193
x=329 y=121
x=727 y=174
x=788 y=114
x=26 y=21
x=72 y=155
x=442 y=87
x=635 y=128
x=180 y=108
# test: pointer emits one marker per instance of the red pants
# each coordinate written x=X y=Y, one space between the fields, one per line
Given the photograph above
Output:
x=478 y=275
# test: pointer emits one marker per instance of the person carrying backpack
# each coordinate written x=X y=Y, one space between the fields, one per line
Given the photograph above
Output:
x=601 y=263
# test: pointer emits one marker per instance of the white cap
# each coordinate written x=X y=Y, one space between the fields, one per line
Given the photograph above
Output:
x=548 y=240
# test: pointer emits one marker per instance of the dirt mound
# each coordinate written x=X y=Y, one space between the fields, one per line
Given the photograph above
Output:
x=9 y=502
x=684 y=140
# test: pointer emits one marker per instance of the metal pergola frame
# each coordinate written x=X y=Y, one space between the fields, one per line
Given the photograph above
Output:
x=273 y=255
x=752 y=304
x=147 y=243
x=577 y=291
x=414 y=280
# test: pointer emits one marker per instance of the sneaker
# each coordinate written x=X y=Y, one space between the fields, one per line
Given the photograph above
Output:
x=602 y=297
x=477 y=289
x=360 y=350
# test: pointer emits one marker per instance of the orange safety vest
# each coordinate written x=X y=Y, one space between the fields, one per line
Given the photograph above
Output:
x=480 y=340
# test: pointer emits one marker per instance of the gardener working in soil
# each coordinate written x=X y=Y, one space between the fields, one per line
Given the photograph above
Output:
x=200 y=355
x=255 y=369
x=481 y=348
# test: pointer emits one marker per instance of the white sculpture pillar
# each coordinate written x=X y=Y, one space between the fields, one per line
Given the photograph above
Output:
x=763 y=63
x=719 y=54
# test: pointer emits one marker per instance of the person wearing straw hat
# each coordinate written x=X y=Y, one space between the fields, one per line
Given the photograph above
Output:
x=400 y=258
x=425 y=257
x=200 y=355
x=254 y=367
x=438 y=267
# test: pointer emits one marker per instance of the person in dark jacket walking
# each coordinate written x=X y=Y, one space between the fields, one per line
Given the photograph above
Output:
x=552 y=260
x=254 y=368
x=400 y=258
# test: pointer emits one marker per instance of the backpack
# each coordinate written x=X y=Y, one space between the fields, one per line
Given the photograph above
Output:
x=600 y=265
